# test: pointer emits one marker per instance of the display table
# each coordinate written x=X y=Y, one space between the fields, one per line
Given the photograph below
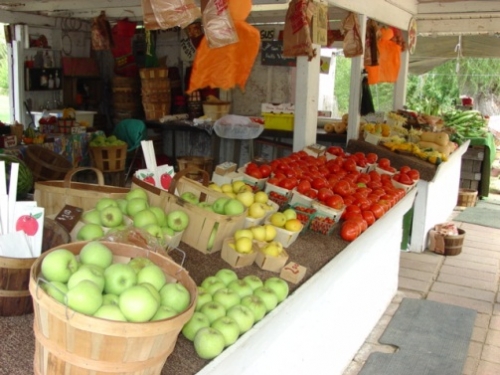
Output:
x=322 y=324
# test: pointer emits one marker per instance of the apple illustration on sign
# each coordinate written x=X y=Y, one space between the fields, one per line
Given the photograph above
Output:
x=28 y=224
x=165 y=180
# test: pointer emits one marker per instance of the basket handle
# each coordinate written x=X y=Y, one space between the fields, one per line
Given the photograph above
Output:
x=183 y=173
x=72 y=172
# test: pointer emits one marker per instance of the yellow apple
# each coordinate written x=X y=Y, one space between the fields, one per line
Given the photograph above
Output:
x=270 y=232
x=243 y=245
x=290 y=213
x=227 y=188
x=243 y=233
x=237 y=185
x=259 y=233
x=261 y=197
x=273 y=249
x=215 y=187
x=245 y=188
x=278 y=219
x=246 y=198
x=257 y=210
x=230 y=194
x=293 y=225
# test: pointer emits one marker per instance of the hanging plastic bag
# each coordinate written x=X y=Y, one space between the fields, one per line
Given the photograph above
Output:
x=297 y=33
x=218 y=24
x=237 y=127
x=165 y=14
x=228 y=66
x=101 y=35
x=352 y=45
x=371 y=40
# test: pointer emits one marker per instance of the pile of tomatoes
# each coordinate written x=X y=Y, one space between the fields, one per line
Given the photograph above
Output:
x=338 y=182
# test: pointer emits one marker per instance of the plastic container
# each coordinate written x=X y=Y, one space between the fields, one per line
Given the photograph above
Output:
x=282 y=121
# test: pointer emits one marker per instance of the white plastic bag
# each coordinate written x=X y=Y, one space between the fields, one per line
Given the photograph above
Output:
x=237 y=127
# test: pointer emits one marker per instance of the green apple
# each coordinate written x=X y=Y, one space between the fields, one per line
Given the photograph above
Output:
x=212 y=283
x=226 y=275
x=138 y=304
x=213 y=236
x=229 y=329
x=167 y=231
x=233 y=207
x=92 y=217
x=160 y=214
x=89 y=232
x=176 y=296
x=203 y=297
x=213 y=310
x=139 y=263
x=226 y=297
x=137 y=193
x=97 y=253
x=152 y=290
x=87 y=272
x=110 y=312
x=190 y=197
x=241 y=287
x=218 y=205
x=59 y=265
x=178 y=220
x=105 y=202
x=290 y=213
x=118 y=277
x=111 y=216
x=268 y=296
x=136 y=205
x=279 y=286
x=122 y=204
x=110 y=299
x=197 y=321
x=144 y=218
x=155 y=231
x=255 y=305
x=243 y=316
x=56 y=290
x=254 y=281
x=164 y=312
x=209 y=343
x=152 y=274
x=85 y=297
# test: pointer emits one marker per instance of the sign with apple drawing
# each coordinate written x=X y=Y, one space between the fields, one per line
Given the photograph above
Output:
x=28 y=223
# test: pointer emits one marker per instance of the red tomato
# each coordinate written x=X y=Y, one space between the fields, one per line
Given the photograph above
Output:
x=265 y=170
x=303 y=186
x=405 y=179
x=324 y=193
x=349 y=230
x=335 y=150
x=384 y=163
x=353 y=208
x=371 y=157
x=255 y=173
x=288 y=183
x=349 y=200
x=251 y=166
x=318 y=183
x=273 y=181
x=374 y=184
x=363 y=225
x=349 y=165
x=396 y=177
x=335 y=201
x=351 y=215
x=374 y=175
x=342 y=188
x=369 y=217
x=363 y=203
x=414 y=174
x=404 y=169
x=363 y=178
x=377 y=209
x=311 y=193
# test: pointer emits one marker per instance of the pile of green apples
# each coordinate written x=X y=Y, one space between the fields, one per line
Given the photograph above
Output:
x=102 y=140
x=92 y=284
x=222 y=205
x=228 y=306
x=134 y=208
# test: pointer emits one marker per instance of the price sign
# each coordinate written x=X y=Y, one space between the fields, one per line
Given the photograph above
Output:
x=272 y=54
x=69 y=216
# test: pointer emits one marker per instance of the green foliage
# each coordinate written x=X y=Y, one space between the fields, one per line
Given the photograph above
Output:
x=342 y=83
x=4 y=85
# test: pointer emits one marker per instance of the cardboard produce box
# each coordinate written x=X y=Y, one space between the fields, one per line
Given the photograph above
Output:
x=236 y=259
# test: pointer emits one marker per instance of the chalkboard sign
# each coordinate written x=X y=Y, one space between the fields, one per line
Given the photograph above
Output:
x=272 y=54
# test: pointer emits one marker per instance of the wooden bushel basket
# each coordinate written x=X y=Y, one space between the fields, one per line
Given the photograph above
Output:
x=467 y=198
x=72 y=343
x=15 y=298
x=46 y=164
x=109 y=158
x=446 y=244
x=54 y=195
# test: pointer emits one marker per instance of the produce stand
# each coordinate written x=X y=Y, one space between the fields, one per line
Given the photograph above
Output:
x=327 y=317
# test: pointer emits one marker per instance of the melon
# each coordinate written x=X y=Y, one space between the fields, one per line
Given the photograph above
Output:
x=25 y=177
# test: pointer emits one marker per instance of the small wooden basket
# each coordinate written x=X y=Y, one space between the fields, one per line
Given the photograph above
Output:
x=45 y=164
x=109 y=158
x=467 y=198
x=201 y=163
x=216 y=110
x=452 y=244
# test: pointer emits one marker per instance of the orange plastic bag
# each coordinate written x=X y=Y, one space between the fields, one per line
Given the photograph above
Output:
x=228 y=66
x=389 y=59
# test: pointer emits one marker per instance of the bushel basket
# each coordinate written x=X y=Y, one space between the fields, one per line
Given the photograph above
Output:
x=45 y=164
x=68 y=342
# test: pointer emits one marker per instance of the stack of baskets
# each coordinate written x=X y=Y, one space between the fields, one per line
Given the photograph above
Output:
x=156 y=96
x=109 y=158
x=126 y=90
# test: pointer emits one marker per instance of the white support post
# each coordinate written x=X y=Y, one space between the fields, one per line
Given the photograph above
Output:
x=399 y=99
x=306 y=100
x=355 y=90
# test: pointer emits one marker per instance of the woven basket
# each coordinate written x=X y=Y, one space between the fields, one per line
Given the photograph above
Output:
x=155 y=111
x=467 y=198
x=216 y=110
x=200 y=162
x=109 y=158
x=153 y=73
x=45 y=164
